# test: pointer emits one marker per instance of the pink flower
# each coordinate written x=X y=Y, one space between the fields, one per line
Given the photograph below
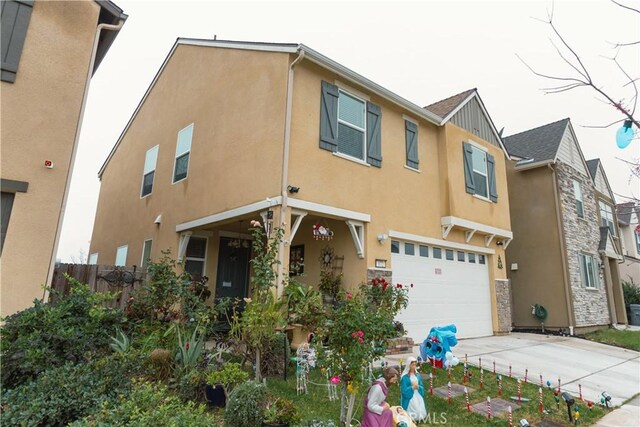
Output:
x=360 y=334
x=186 y=345
x=399 y=286
x=384 y=287
x=255 y=223
x=349 y=296
x=335 y=379
x=412 y=285
x=360 y=340
x=353 y=335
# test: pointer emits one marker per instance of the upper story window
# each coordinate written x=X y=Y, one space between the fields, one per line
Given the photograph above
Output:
x=350 y=125
x=15 y=22
x=577 y=193
x=479 y=172
x=588 y=271
x=606 y=217
x=183 y=149
x=93 y=259
x=637 y=234
x=121 y=256
x=149 y=171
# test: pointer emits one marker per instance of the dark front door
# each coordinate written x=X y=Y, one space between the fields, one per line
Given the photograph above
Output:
x=233 y=269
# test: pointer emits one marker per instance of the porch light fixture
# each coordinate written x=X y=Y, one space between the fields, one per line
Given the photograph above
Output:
x=293 y=190
x=382 y=238
x=238 y=242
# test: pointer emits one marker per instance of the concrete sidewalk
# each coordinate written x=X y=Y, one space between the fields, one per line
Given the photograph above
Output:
x=596 y=367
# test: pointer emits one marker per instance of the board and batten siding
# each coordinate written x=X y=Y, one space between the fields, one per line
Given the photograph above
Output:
x=472 y=118
x=601 y=183
x=569 y=153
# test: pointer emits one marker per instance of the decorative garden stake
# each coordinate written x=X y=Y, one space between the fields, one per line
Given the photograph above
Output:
x=499 y=385
x=479 y=362
x=488 y=407
x=541 y=380
x=464 y=374
x=540 y=399
x=559 y=390
x=449 y=372
x=519 y=391
x=449 y=392
x=494 y=367
x=526 y=374
x=465 y=358
x=580 y=389
x=510 y=417
x=509 y=371
x=466 y=399
x=433 y=366
x=431 y=384
x=481 y=379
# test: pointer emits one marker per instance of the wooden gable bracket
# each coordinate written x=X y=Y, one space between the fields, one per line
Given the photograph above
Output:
x=296 y=224
x=446 y=229
x=468 y=235
x=357 y=233
x=488 y=238
x=505 y=243
x=182 y=245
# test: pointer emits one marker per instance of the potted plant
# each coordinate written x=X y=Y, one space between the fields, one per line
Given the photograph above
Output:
x=279 y=413
x=329 y=284
x=305 y=311
x=220 y=383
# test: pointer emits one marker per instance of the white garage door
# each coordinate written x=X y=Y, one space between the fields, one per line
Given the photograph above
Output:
x=449 y=286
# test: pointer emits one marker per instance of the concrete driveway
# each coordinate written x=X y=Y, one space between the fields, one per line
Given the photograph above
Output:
x=597 y=367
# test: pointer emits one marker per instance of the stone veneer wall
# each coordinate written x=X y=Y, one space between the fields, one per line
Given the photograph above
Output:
x=503 y=299
x=373 y=273
x=582 y=236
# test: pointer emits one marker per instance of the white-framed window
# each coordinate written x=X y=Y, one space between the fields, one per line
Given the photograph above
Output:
x=637 y=234
x=480 y=175
x=437 y=253
x=149 y=171
x=121 y=256
x=449 y=254
x=195 y=259
x=409 y=249
x=588 y=271
x=93 y=259
x=352 y=125
x=481 y=259
x=395 y=247
x=146 y=253
x=577 y=193
x=606 y=217
x=424 y=251
x=472 y=257
x=461 y=256
x=183 y=151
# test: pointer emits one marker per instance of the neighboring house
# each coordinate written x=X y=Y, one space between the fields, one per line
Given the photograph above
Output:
x=49 y=52
x=629 y=223
x=565 y=256
x=230 y=132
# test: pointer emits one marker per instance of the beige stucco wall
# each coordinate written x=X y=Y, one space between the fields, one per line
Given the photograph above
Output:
x=540 y=278
x=40 y=112
x=236 y=101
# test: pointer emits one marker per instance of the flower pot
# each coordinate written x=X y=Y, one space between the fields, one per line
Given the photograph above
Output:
x=215 y=395
x=299 y=336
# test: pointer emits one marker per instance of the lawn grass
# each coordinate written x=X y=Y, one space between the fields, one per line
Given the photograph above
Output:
x=624 y=339
x=316 y=403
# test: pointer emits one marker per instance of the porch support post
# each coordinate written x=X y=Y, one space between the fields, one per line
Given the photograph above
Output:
x=357 y=233
x=182 y=245
x=284 y=215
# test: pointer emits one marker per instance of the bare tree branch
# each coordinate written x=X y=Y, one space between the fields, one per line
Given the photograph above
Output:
x=602 y=127
x=625 y=6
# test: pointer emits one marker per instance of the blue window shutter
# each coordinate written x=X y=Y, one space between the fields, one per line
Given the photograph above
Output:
x=467 y=156
x=329 y=117
x=411 y=137
x=15 y=21
x=491 y=171
x=374 y=135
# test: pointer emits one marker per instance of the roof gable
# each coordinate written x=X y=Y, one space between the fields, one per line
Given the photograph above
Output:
x=600 y=180
x=445 y=107
x=538 y=144
x=625 y=211
x=569 y=152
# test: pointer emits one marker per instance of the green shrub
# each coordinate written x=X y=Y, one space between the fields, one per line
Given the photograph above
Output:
x=229 y=377
x=63 y=394
x=631 y=292
x=73 y=329
x=318 y=423
x=245 y=405
x=149 y=404
x=275 y=355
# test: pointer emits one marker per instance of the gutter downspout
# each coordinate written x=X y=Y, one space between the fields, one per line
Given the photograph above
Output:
x=565 y=269
x=285 y=171
x=74 y=150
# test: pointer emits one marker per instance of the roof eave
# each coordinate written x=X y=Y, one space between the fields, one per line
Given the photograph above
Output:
x=534 y=165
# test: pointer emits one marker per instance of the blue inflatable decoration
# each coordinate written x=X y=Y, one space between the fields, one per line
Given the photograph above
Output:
x=437 y=346
x=624 y=135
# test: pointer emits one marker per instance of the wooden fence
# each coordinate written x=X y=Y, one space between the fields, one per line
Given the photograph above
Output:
x=100 y=278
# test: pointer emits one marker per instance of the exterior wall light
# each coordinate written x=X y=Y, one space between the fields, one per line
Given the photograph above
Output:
x=293 y=190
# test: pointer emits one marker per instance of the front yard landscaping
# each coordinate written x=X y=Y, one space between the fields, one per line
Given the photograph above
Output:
x=625 y=339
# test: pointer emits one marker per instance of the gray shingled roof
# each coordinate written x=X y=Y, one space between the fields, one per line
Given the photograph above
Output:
x=592 y=165
x=624 y=210
x=445 y=106
x=538 y=144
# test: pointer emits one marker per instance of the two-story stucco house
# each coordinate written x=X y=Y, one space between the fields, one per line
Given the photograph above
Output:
x=566 y=254
x=628 y=215
x=50 y=50
x=230 y=132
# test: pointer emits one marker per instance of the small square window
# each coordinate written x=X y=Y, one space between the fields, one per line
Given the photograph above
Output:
x=409 y=249
x=449 y=254
x=461 y=256
x=424 y=251
x=481 y=259
x=437 y=253
x=472 y=258
x=395 y=247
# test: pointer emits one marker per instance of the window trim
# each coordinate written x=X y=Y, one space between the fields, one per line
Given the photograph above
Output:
x=584 y=273
x=605 y=221
x=637 y=237
x=485 y=174
x=126 y=253
x=177 y=156
x=94 y=261
x=142 y=259
x=144 y=174
x=352 y=126
x=576 y=185
x=206 y=253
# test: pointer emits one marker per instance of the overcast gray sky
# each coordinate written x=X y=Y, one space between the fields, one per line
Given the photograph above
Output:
x=424 y=51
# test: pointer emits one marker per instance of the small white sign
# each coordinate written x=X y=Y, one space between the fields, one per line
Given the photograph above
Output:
x=226 y=284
